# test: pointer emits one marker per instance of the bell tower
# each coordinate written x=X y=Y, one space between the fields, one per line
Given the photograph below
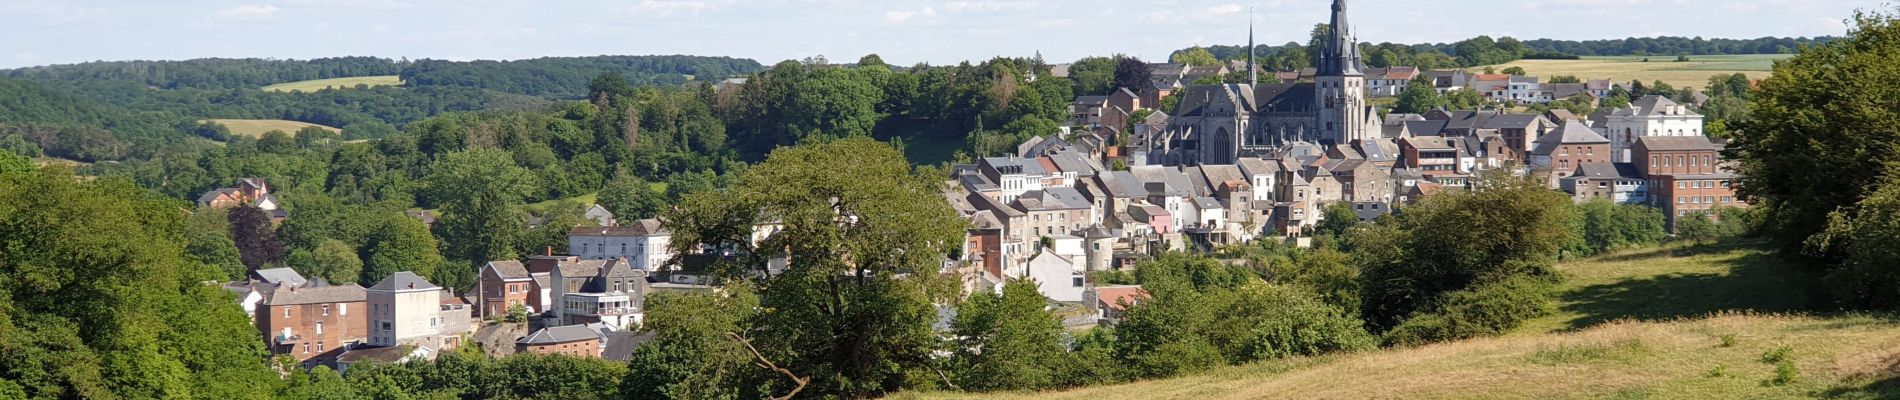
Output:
x=1340 y=84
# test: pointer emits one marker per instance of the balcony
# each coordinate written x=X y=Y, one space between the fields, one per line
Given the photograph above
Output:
x=287 y=339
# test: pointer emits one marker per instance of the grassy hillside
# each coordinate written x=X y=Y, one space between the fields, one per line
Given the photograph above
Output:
x=1694 y=72
x=1647 y=323
x=320 y=84
x=255 y=127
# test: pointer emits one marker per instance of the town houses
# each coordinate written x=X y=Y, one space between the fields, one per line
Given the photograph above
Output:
x=1229 y=164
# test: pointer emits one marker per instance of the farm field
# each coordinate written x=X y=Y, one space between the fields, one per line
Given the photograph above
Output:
x=256 y=127
x=320 y=84
x=1673 y=322
x=1694 y=73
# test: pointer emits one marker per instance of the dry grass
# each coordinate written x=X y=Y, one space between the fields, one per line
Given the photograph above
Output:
x=257 y=127
x=1658 y=360
x=1645 y=323
x=320 y=84
x=1693 y=73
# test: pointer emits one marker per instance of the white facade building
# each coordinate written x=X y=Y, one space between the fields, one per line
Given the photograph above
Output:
x=1650 y=116
x=405 y=309
x=644 y=243
x=1056 y=277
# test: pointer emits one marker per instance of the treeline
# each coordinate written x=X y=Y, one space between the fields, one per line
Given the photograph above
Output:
x=567 y=77
x=1486 y=50
x=211 y=73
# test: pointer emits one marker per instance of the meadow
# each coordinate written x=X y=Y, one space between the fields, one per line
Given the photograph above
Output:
x=1694 y=73
x=1673 y=322
x=320 y=84
x=257 y=127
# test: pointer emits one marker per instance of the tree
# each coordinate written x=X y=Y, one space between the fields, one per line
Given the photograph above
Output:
x=255 y=237
x=276 y=142
x=208 y=242
x=479 y=192
x=1093 y=75
x=1820 y=115
x=1420 y=95
x=136 y=321
x=333 y=260
x=400 y=244
x=1133 y=74
x=1337 y=218
x=1507 y=228
x=313 y=136
x=1565 y=79
x=1515 y=71
x=1462 y=99
x=1007 y=342
x=852 y=218
x=832 y=103
x=1195 y=56
x=693 y=354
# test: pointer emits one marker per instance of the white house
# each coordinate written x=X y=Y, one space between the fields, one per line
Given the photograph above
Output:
x=1056 y=277
x=600 y=215
x=604 y=291
x=405 y=309
x=1650 y=116
x=644 y=243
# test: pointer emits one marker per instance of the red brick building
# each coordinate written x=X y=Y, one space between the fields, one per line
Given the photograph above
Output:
x=312 y=322
x=504 y=284
x=1685 y=175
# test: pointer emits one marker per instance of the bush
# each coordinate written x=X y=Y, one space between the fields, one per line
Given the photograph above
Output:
x=1483 y=310
x=1785 y=373
x=1778 y=354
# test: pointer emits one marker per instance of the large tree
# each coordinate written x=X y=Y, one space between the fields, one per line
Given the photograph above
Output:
x=480 y=192
x=1420 y=95
x=859 y=235
x=1829 y=112
x=256 y=237
x=100 y=302
x=1008 y=342
x=1133 y=74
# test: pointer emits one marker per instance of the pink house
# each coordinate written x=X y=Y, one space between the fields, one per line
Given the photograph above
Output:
x=1156 y=217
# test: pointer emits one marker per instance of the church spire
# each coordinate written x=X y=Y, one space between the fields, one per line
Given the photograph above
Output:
x=1253 y=73
x=1342 y=49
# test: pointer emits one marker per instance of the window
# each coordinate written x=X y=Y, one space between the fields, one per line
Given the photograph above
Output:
x=1652 y=163
x=343 y=309
x=286 y=312
x=1682 y=185
x=319 y=347
x=319 y=328
x=431 y=322
x=306 y=348
x=1076 y=281
x=1682 y=200
x=326 y=310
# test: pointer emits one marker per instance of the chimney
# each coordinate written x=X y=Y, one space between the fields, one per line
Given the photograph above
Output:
x=412 y=285
x=550 y=251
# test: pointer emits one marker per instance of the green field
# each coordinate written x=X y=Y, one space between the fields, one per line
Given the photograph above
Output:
x=1643 y=324
x=320 y=84
x=257 y=127
x=1694 y=73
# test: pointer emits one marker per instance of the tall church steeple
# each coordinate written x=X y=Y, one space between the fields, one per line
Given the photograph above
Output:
x=1341 y=57
x=1253 y=73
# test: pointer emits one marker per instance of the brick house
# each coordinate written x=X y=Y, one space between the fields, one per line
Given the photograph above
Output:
x=308 y=323
x=1563 y=150
x=571 y=340
x=504 y=284
x=1685 y=175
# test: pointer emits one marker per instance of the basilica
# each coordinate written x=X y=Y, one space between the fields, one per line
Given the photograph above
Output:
x=1219 y=124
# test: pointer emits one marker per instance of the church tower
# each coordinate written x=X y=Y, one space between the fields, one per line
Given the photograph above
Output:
x=1340 y=84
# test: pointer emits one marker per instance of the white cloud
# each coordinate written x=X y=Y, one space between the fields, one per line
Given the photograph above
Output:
x=900 y=17
x=1224 y=9
x=986 y=6
x=247 y=11
x=669 y=7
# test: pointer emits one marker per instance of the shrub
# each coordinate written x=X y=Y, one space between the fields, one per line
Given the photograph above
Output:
x=1729 y=340
x=1487 y=309
x=1785 y=373
x=1778 y=354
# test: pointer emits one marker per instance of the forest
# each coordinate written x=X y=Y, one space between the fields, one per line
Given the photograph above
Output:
x=1485 y=50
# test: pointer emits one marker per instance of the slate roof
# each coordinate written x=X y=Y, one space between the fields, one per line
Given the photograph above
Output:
x=1206 y=203
x=1572 y=132
x=214 y=194
x=560 y=334
x=592 y=268
x=1256 y=166
x=404 y=280
x=1511 y=121
x=1029 y=167
x=1426 y=128
x=509 y=269
x=1122 y=184
x=280 y=276
x=1054 y=198
x=1602 y=170
x=645 y=227
x=620 y=344
x=384 y=354
x=1217 y=174
x=1379 y=150
x=1174 y=182
x=1073 y=161
x=1676 y=143
x=285 y=295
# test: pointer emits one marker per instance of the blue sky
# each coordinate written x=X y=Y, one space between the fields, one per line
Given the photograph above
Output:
x=37 y=32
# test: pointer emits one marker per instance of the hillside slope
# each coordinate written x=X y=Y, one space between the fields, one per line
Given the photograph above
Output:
x=1648 y=323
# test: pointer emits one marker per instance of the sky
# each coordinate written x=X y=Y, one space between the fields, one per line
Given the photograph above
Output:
x=41 y=32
